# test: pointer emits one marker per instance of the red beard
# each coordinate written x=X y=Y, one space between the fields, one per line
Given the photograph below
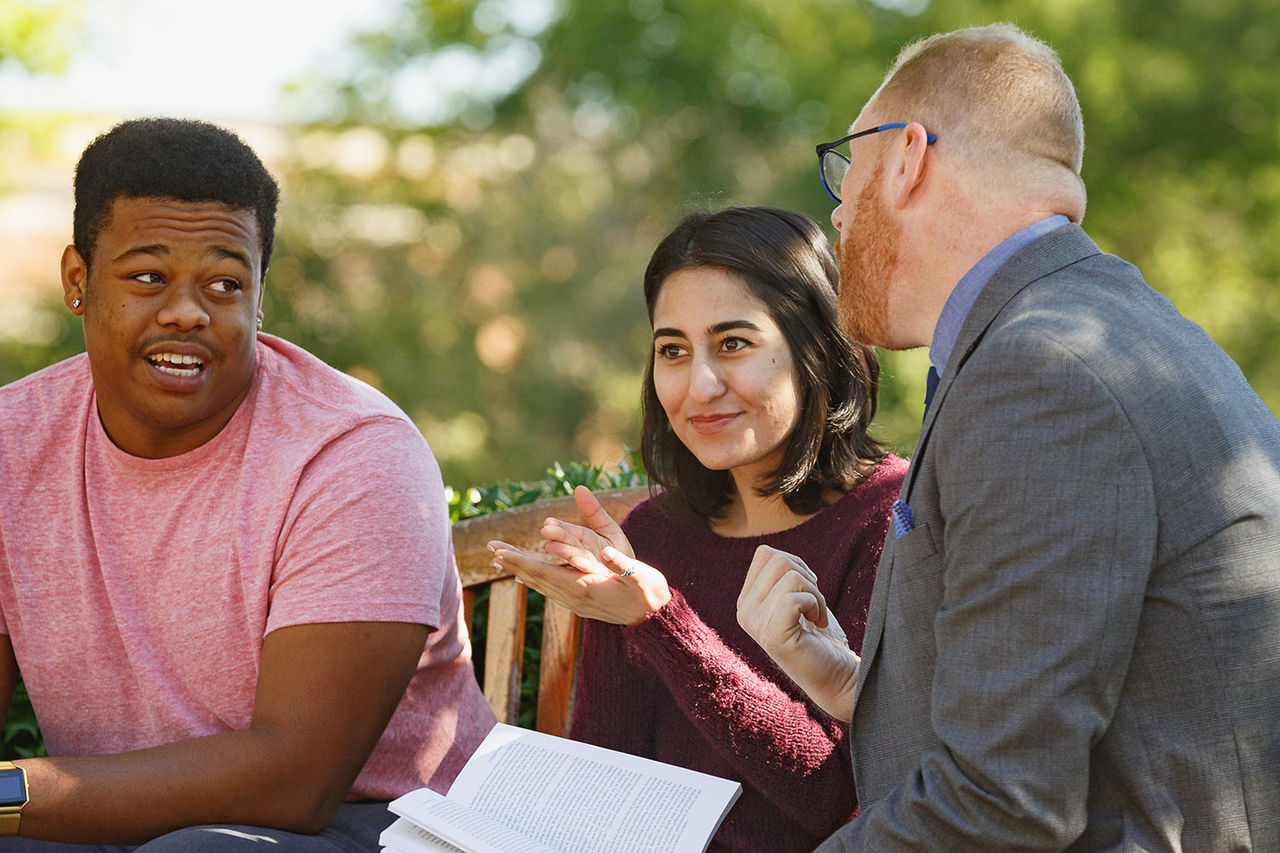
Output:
x=867 y=251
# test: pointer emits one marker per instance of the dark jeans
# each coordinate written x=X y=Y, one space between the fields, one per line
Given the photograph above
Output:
x=354 y=829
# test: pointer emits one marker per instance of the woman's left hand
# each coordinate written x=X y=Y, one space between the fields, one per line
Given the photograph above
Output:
x=613 y=588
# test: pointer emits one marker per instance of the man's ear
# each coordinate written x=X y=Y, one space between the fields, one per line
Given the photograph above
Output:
x=262 y=291
x=75 y=279
x=910 y=169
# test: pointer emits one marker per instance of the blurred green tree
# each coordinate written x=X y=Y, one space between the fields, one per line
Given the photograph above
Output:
x=469 y=227
x=38 y=37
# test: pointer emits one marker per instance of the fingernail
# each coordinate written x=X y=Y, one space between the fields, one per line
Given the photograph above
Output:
x=497 y=564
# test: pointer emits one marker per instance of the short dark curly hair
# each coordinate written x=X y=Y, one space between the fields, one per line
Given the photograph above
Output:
x=168 y=158
x=785 y=261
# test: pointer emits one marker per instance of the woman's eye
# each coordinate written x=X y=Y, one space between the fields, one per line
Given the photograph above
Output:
x=733 y=344
x=147 y=277
x=670 y=351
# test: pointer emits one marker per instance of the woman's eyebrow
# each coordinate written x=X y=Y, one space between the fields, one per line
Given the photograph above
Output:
x=729 y=325
x=714 y=329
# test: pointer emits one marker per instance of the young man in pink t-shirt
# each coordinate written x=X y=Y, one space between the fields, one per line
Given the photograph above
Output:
x=225 y=568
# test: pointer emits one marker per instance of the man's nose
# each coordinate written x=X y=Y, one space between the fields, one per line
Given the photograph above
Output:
x=183 y=307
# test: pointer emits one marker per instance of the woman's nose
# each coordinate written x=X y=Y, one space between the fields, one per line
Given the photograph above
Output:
x=707 y=381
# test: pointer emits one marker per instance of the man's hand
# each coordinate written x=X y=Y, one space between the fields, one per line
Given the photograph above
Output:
x=782 y=609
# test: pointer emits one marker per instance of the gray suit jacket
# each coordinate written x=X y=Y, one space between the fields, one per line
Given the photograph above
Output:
x=1077 y=646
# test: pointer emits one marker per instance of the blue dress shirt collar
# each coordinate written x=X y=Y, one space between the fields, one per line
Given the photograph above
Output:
x=967 y=289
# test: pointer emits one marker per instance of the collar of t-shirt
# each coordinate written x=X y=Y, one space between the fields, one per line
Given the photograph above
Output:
x=966 y=291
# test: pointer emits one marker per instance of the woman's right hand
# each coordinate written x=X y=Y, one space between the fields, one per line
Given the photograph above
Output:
x=583 y=547
x=602 y=579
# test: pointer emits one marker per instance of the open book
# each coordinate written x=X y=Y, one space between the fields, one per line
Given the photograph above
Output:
x=528 y=792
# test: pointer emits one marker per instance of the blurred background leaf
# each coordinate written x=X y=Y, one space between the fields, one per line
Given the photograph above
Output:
x=499 y=234
x=466 y=221
x=39 y=36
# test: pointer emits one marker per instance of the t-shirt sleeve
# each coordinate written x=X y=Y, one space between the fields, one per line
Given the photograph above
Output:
x=366 y=538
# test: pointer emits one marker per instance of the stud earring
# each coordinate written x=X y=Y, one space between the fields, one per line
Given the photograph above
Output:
x=75 y=303
x=259 y=322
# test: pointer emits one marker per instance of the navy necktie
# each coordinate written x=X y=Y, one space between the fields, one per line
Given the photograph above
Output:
x=930 y=385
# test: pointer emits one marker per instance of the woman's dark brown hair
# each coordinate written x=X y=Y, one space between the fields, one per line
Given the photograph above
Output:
x=785 y=261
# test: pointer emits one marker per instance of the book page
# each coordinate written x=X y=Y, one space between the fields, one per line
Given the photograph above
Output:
x=405 y=836
x=468 y=829
x=579 y=798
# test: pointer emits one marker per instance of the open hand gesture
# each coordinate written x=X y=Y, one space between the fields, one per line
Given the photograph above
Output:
x=600 y=577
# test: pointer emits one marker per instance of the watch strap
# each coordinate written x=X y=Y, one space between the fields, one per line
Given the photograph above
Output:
x=11 y=813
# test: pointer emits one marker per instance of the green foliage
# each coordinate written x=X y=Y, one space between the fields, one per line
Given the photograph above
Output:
x=40 y=36
x=21 y=732
x=560 y=481
x=467 y=228
x=527 y=220
x=484 y=268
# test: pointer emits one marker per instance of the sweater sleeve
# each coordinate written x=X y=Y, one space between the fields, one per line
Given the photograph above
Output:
x=787 y=748
x=614 y=695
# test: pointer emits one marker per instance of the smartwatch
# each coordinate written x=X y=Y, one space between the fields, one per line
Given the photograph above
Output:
x=13 y=796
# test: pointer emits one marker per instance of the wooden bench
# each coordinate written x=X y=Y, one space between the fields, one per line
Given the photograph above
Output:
x=508 y=604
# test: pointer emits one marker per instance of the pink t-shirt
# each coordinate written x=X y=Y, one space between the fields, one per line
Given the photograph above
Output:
x=137 y=592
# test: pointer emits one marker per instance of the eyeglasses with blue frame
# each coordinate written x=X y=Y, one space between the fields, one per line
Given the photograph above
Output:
x=832 y=165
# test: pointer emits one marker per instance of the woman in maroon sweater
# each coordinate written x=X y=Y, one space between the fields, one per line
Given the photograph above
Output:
x=756 y=410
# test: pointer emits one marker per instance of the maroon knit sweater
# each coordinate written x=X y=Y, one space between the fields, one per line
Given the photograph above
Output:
x=688 y=686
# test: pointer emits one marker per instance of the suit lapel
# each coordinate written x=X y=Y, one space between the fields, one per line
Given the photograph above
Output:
x=1041 y=257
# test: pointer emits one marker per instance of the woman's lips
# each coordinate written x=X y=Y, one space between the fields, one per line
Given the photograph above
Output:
x=709 y=424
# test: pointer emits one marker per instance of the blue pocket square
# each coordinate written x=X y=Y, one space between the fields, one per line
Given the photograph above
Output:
x=902 y=521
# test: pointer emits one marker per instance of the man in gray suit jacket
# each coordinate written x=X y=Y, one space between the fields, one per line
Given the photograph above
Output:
x=1074 y=637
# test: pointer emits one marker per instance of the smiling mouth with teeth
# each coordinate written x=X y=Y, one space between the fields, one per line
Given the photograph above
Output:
x=176 y=365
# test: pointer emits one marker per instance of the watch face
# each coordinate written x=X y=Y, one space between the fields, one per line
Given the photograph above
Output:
x=13 y=788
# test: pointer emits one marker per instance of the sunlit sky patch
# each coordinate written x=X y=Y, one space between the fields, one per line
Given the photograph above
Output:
x=229 y=60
